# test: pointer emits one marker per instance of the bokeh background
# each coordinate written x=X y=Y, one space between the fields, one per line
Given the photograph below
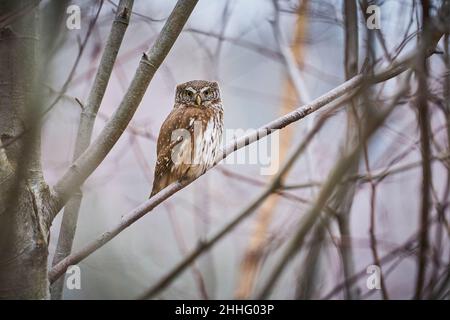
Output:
x=235 y=43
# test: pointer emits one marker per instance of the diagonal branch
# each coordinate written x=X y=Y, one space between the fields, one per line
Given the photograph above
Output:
x=258 y=201
x=337 y=174
x=89 y=160
x=342 y=200
x=296 y=115
x=87 y=120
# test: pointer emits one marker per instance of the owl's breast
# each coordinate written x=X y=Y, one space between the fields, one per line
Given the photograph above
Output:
x=199 y=153
x=208 y=143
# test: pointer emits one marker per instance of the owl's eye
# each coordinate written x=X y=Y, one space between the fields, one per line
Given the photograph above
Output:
x=189 y=93
x=207 y=92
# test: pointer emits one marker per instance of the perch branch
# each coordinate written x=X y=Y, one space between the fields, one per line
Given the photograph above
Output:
x=299 y=113
x=270 y=189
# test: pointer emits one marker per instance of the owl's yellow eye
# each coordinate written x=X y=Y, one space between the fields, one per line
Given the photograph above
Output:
x=207 y=92
x=189 y=93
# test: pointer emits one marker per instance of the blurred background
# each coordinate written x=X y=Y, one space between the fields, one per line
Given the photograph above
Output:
x=243 y=45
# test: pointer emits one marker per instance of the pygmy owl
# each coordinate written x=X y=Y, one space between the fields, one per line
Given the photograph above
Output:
x=191 y=135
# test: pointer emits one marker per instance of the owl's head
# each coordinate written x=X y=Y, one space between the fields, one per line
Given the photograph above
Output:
x=198 y=93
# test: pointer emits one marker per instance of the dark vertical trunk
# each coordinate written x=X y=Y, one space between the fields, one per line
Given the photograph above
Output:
x=343 y=198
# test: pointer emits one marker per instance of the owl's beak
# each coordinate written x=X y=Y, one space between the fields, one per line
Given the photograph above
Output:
x=198 y=100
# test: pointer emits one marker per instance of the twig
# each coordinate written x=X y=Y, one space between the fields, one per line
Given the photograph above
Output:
x=63 y=89
x=88 y=161
x=86 y=125
x=279 y=123
x=444 y=203
x=379 y=175
x=178 y=234
x=294 y=87
x=338 y=172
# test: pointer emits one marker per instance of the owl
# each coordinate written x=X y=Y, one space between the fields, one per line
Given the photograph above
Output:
x=190 y=137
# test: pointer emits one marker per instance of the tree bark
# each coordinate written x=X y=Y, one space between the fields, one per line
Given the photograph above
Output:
x=24 y=227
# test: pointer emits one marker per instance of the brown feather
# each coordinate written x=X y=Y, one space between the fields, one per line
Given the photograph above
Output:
x=181 y=117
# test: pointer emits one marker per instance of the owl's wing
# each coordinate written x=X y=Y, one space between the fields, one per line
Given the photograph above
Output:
x=162 y=177
x=179 y=118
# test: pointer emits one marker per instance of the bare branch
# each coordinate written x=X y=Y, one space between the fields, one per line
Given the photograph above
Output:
x=87 y=120
x=336 y=175
x=294 y=88
x=83 y=167
x=424 y=125
x=296 y=115
x=270 y=189
x=342 y=199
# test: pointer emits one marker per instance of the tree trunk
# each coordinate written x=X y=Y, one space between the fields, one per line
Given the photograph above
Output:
x=24 y=223
x=343 y=199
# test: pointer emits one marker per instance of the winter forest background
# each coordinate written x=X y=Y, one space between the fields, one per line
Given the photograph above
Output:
x=269 y=57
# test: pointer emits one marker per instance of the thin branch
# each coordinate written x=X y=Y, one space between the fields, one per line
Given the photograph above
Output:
x=178 y=234
x=300 y=113
x=294 y=87
x=271 y=187
x=9 y=18
x=373 y=239
x=62 y=91
x=377 y=176
x=424 y=126
x=86 y=125
x=140 y=15
x=338 y=172
x=342 y=200
x=89 y=160
x=409 y=246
